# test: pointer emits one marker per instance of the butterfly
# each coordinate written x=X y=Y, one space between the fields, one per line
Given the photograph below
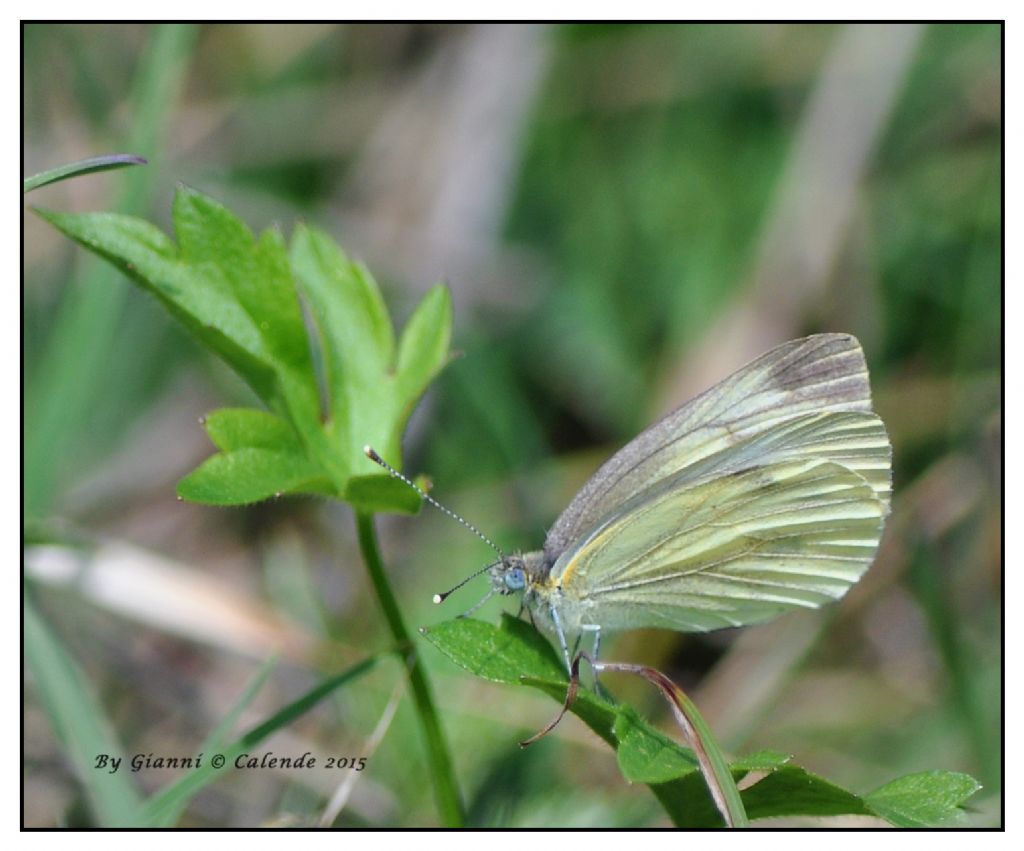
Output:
x=764 y=494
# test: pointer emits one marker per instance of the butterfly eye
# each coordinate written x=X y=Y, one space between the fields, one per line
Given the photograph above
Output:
x=515 y=579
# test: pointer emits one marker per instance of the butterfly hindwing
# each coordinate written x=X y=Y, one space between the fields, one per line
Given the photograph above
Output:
x=726 y=551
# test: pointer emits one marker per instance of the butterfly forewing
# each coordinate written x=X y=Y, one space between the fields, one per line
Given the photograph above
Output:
x=728 y=551
x=825 y=372
x=853 y=439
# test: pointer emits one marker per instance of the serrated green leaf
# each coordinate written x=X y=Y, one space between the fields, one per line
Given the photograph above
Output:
x=250 y=475
x=217 y=246
x=358 y=346
x=240 y=428
x=213 y=240
x=198 y=298
x=236 y=292
x=922 y=800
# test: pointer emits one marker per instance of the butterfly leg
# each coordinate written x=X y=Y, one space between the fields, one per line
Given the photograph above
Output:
x=594 y=628
x=470 y=611
x=557 y=621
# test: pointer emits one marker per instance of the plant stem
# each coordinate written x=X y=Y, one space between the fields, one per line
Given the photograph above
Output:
x=446 y=792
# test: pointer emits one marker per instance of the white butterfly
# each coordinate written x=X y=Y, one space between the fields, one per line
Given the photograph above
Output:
x=766 y=493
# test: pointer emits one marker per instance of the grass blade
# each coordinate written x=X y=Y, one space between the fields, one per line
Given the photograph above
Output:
x=163 y=807
x=79 y=722
x=107 y=162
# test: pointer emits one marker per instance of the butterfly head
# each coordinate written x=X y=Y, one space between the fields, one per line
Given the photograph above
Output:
x=508 y=576
x=517 y=572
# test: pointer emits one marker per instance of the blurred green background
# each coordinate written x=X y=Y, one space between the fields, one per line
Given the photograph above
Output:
x=624 y=214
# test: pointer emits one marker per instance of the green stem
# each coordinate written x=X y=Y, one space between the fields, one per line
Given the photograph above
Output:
x=448 y=801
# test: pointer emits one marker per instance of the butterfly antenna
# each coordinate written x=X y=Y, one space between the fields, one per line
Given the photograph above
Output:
x=373 y=456
x=440 y=598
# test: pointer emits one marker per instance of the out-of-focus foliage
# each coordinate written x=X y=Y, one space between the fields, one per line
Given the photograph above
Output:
x=604 y=203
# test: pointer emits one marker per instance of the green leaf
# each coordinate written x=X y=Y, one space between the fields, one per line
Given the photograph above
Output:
x=792 y=791
x=357 y=342
x=718 y=776
x=240 y=428
x=649 y=756
x=79 y=168
x=764 y=760
x=424 y=345
x=381 y=493
x=922 y=800
x=234 y=292
x=237 y=294
x=645 y=758
x=503 y=655
x=370 y=394
x=214 y=242
x=788 y=791
x=79 y=722
x=200 y=298
x=917 y=800
x=516 y=653
x=252 y=474
x=347 y=303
